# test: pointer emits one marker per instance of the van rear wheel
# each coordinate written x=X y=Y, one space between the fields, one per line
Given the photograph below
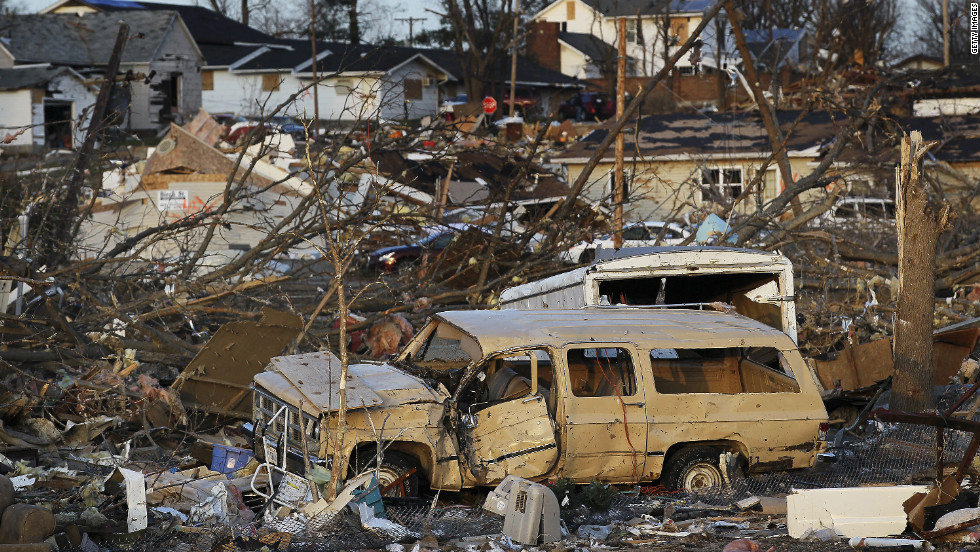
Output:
x=694 y=469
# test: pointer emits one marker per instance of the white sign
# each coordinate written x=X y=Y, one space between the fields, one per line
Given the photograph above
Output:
x=172 y=200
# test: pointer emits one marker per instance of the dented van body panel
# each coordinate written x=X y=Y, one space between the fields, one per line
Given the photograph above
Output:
x=608 y=394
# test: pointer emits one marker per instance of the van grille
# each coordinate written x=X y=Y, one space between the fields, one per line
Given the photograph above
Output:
x=266 y=405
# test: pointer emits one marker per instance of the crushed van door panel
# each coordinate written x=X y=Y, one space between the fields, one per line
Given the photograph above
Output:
x=516 y=437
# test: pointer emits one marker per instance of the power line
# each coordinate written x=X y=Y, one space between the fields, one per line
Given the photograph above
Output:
x=411 y=34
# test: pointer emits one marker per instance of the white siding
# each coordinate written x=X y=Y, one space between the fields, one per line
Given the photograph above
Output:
x=648 y=55
x=15 y=114
x=177 y=55
x=70 y=88
x=392 y=97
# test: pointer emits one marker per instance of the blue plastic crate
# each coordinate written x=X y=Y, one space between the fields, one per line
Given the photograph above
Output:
x=228 y=459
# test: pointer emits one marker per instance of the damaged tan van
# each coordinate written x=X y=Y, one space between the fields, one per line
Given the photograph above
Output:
x=619 y=395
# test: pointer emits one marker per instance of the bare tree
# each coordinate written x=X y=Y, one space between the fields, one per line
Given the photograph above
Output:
x=929 y=31
x=853 y=33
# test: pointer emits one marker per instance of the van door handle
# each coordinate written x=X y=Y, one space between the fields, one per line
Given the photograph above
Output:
x=635 y=404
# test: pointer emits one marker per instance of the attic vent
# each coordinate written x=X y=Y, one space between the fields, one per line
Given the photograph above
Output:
x=166 y=146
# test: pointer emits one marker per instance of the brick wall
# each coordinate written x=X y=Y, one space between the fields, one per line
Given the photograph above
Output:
x=542 y=44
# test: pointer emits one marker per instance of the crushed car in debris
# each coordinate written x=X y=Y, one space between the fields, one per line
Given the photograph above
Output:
x=622 y=395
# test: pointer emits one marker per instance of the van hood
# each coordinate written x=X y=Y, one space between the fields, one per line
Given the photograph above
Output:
x=311 y=381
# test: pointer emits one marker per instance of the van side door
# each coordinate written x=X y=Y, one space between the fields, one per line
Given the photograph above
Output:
x=510 y=431
x=602 y=415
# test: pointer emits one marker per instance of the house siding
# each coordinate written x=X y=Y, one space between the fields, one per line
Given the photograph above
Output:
x=125 y=214
x=177 y=55
x=392 y=98
x=69 y=88
x=649 y=55
x=666 y=190
x=16 y=113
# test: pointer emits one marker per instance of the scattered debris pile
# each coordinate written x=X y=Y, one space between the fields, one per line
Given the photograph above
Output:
x=116 y=481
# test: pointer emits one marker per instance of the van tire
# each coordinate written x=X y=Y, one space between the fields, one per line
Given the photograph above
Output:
x=393 y=465
x=694 y=469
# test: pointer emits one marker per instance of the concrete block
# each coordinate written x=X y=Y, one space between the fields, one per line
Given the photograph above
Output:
x=25 y=524
x=850 y=511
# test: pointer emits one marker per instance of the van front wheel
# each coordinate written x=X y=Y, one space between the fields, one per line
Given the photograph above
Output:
x=694 y=469
x=398 y=472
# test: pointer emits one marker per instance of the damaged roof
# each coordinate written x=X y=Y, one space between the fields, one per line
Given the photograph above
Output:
x=469 y=165
x=84 y=41
x=494 y=330
x=205 y=25
x=958 y=136
x=590 y=45
x=614 y=8
x=715 y=134
x=35 y=76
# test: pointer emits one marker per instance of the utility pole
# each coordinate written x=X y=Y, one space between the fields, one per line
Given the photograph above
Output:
x=316 y=85
x=620 y=108
x=513 y=60
x=945 y=33
x=411 y=26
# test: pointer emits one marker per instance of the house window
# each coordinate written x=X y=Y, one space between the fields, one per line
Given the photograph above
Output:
x=611 y=186
x=270 y=82
x=686 y=69
x=631 y=35
x=344 y=87
x=570 y=10
x=413 y=89
x=207 y=80
x=174 y=91
x=721 y=184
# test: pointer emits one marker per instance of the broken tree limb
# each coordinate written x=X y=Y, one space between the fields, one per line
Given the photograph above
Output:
x=777 y=143
x=919 y=221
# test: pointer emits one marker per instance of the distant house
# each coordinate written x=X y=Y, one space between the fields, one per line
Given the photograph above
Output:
x=681 y=162
x=357 y=82
x=160 y=55
x=247 y=72
x=43 y=106
x=653 y=29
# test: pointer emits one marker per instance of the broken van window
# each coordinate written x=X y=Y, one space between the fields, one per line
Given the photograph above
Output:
x=730 y=371
x=601 y=372
x=438 y=349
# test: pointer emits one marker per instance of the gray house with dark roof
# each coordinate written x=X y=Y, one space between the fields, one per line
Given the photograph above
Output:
x=43 y=106
x=160 y=55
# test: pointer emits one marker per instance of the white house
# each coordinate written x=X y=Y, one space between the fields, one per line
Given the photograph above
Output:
x=357 y=81
x=160 y=55
x=654 y=29
x=43 y=106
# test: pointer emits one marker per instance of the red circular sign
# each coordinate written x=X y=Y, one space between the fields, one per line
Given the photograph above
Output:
x=489 y=105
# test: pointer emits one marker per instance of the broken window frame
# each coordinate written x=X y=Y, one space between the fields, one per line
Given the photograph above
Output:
x=678 y=383
x=611 y=185
x=628 y=388
x=718 y=179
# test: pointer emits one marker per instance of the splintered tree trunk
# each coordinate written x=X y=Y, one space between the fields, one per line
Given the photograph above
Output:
x=919 y=223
